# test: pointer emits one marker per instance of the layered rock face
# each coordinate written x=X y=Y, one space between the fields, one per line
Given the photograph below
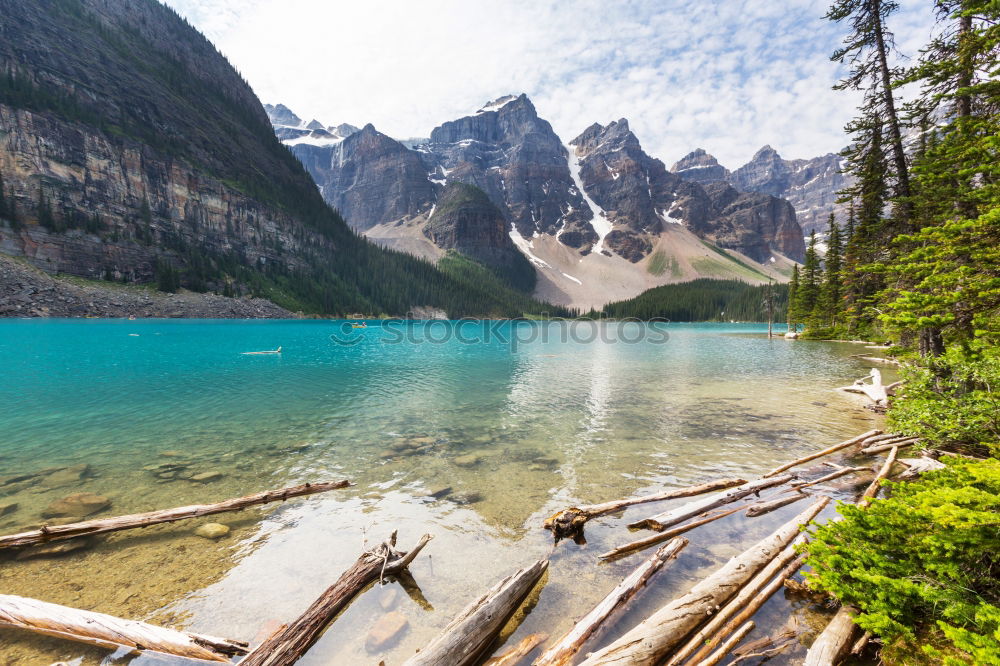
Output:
x=370 y=178
x=700 y=167
x=810 y=185
x=755 y=224
x=514 y=156
x=109 y=173
x=464 y=219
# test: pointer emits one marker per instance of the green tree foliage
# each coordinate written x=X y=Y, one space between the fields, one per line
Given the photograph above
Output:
x=923 y=564
x=168 y=278
x=704 y=299
x=807 y=293
x=930 y=551
x=831 y=299
x=792 y=314
x=4 y=212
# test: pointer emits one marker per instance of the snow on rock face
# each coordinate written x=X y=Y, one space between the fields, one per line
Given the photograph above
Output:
x=497 y=104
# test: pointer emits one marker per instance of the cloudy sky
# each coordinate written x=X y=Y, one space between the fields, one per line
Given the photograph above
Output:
x=724 y=75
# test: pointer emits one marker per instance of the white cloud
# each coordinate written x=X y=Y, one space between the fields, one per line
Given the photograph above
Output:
x=724 y=75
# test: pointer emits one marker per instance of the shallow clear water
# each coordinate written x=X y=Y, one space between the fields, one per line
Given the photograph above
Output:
x=516 y=433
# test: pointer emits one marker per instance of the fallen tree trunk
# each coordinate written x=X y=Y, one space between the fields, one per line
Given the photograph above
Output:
x=633 y=546
x=287 y=645
x=876 y=359
x=111 y=632
x=90 y=527
x=834 y=642
x=918 y=466
x=824 y=452
x=569 y=523
x=881 y=438
x=836 y=474
x=725 y=648
x=877 y=392
x=872 y=490
x=901 y=442
x=567 y=647
x=666 y=519
x=518 y=652
x=654 y=638
x=760 y=508
x=466 y=637
x=720 y=625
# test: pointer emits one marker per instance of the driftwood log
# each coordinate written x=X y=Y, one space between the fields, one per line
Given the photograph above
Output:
x=732 y=614
x=836 y=474
x=102 y=525
x=900 y=442
x=653 y=639
x=667 y=519
x=877 y=392
x=760 y=508
x=111 y=632
x=640 y=544
x=872 y=490
x=726 y=648
x=825 y=452
x=835 y=641
x=569 y=523
x=518 y=652
x=288 y=644
x=918 y=466
x=881 y=438
x=566 y=648
x=470 y=633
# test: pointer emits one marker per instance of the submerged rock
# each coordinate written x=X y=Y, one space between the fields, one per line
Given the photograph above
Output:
x=389 y=598
x=466 y=498
x=207 y=477
x=387 y=630
x=10 y=507
x=77 y=505
x=468 y=460
x=67 y=476
x=436 y=492
x=212 y=530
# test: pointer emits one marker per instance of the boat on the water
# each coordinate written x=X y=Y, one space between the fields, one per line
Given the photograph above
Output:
x=268 y=351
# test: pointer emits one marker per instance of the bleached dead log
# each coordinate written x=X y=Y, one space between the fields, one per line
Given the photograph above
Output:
x=825 y=452
x=654 y=638
x=111 y=632
x=466 y=637
x=667 y=519
x=514 y=655
x=876 y=391
x=836 y=474
x=287 y=645
x=752 y=596
x=872 y=490
x=879 y=448
x=726 y=648
x=660 y=537
x=763 y=648
x=835 y=641
x=871 y=441
x=567 y=647
x=569 y=523
x=760 y=508
x=102 y=525
x=918 y=466
x=876 y=359
x=860 y=644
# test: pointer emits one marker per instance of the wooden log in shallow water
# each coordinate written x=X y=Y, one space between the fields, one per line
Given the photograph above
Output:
x=102 y=525
x=835 y=641
x=653 y=639
x=900 y=442
x=872 y=490
x=518 y=652
x=111 y=632
x=666 y=519
x=726 y=648
x=471 y=632
x=569 y=523
x=567 y=647
x=824 y=452
x=760 y=508
x=639 y=544
x=732 y=614
x=289 y=643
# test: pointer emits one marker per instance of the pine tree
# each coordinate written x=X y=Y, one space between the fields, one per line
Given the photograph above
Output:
x=833 y=286
x=866 y=50
x=4 y=214
x=45 y=211
x=807 y=294
x=793 y=292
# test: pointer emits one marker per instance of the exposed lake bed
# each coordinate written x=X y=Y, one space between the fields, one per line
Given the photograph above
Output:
x=473 y=443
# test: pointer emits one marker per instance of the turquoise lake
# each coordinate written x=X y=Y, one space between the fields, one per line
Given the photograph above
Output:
x=474 y=441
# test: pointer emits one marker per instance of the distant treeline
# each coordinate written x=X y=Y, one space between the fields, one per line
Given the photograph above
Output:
x=703 y=300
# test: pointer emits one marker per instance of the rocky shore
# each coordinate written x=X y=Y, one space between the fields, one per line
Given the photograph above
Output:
x=26 y=291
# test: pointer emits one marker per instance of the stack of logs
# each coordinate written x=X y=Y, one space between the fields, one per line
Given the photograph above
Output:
x=702 y=626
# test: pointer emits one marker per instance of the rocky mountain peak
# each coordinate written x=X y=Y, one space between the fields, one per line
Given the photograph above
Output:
x=279 y=114
x=701 y=167
x=315 y=125
x=613 y=136
x=343 y=130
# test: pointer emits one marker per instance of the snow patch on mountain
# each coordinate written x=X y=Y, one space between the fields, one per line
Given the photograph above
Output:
x=600 y=222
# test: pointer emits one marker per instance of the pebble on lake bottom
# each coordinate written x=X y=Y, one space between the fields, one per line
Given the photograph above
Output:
x=212 y=530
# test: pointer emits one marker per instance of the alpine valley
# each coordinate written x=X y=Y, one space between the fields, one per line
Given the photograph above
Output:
x=597 y=217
